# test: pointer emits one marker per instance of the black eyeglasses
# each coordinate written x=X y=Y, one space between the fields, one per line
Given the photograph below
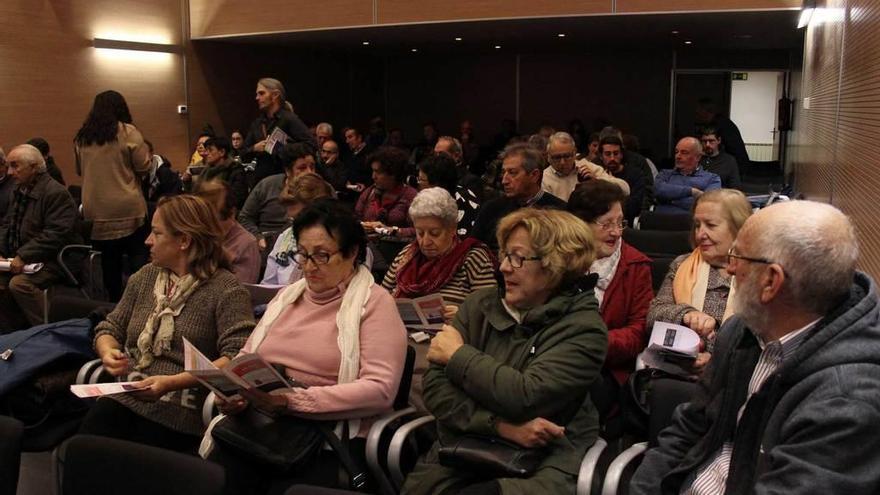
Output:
x=516 y=260
x=560 y=157
x=302 y=257
x=731 y=255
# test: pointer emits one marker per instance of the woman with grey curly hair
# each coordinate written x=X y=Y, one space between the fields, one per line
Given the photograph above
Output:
x=437 y=261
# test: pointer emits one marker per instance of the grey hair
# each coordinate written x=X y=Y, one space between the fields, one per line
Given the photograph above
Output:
x=2 y=156
x=818 y=248
x=561 y=138
x=275 y=85
x=434 y=202
x=532 y=159
x=32 y=155
x=454 y=145
x=326 y=127
x=696 y=145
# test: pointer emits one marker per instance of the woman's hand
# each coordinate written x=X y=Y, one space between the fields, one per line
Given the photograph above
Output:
x=444 y=345
x=275 y=404
x=449 y=312
x=230 y=407
x=154 y=387
x=700 y=363
x=260 y=146
x=535 y=433
x=699 y=322
x=115 y=362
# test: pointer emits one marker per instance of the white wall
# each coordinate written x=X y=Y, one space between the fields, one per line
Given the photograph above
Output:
x=753 y=106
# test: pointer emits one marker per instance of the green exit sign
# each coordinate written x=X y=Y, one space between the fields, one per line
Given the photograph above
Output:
x=740 y=76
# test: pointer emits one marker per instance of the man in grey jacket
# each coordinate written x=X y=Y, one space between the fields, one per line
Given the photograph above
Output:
x=791 y=399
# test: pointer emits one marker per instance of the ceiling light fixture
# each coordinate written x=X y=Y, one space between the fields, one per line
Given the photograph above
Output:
x=497 y=47
x=688 y=42
x=365 y=43
x=135 y=45
x=561 y=35
x=414 y=50
x=674 y=31
x=457 y=38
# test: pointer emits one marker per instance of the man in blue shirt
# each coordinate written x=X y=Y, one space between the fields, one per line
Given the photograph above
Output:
x=675 y=190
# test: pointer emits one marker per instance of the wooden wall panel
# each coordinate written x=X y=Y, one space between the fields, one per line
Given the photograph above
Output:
x=51 y=72
x=697 y=5
x=406 y=11
x=231 y=17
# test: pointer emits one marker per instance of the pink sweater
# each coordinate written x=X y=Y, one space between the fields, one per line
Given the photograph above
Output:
x=303 y=340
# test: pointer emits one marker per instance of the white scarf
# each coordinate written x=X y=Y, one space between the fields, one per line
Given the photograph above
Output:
x=348 y=321
x=155 y=338
x=606 y=268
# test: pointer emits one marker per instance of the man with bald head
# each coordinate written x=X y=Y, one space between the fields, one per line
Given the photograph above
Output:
x=676 y=189
x=790 y=401
x=39 y=221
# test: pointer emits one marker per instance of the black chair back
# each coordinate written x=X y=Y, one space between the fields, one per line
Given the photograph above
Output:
x=11 y=432
x=93 y=464
x=650 y=220
x=659 y=268
x=659 y=243
x=401 y=400
x=666 y=395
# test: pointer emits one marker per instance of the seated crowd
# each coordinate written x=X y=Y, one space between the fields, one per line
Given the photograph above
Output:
x=546 y=309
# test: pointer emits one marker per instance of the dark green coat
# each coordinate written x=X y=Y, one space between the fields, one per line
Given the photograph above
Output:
x=542 y=367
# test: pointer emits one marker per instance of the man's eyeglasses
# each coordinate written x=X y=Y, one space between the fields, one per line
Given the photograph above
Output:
x=731 y=255
x=561 y=157
x=609 y=226
x=516 y=260
x=302 y=257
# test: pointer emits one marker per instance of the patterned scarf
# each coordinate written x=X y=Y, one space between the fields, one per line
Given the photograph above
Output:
x=171 y=293
x=419 y=276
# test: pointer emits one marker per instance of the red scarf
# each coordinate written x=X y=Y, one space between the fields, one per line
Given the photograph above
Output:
x=419 y=276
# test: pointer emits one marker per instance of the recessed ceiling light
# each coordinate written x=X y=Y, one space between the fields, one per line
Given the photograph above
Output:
x=675 y=31
x=365 y=43
x=688 y=42
x=457 y=38
x=561 y=35
x=497 y=47
x=414 y=50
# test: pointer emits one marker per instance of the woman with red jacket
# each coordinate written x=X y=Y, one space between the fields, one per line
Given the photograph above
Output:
x=624 y=288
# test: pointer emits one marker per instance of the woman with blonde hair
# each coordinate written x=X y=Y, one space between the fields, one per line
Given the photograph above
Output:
x=187 y=292
x=697 y=291
x=516 y=364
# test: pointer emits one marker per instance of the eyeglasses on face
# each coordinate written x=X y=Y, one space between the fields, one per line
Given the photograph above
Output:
x=609 y=226
x=561 y=157
x=302 y=257
x=731 y=256
x=516 y=260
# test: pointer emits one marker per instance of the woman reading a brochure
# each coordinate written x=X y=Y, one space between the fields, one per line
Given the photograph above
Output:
x=186 y=291
x=516 y=364
x=697 y=291
x=334 y=331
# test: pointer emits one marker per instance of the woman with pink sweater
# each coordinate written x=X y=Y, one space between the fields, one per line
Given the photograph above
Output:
x=336 y=332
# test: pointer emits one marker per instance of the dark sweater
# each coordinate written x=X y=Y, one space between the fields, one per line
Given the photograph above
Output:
x=494 y=210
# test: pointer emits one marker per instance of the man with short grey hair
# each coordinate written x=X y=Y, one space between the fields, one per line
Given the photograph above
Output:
x=566 y=171
x=323 y=133
x=790 y=400
x=40 y=220
x=676 y=189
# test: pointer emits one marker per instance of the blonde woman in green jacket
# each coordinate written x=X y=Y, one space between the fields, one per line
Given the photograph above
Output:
x=517 y=362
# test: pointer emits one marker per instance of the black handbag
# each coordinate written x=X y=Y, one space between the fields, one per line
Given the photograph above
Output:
x=491 y=457
x=283 y=443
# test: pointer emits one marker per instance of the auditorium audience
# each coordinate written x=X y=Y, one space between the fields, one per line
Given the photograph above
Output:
x=676 y=189
x=697 y=291
x=383 y=206
x=39 y=222
x=160 y=181
x=186 y=291
x=359 y=173
x=7 y=184
x=624 y=290
x=708 y=114
x=791 y=399
x=240 y=245
x=332 y=168
x=611 y=152
x=566 y=172
x=221 y=166
x=237 y=140
x=51 y=167
x=470 y=148
x=718 y=162
x=336 y=332
x=110 y=156
x=635 y=161
x=521 y=171
x=593 y=149
x=439 y=171
x=262 y=215
x=298 y=193
x=516 y=364
x=276 y=113
x=323 y=133
x=452 y=147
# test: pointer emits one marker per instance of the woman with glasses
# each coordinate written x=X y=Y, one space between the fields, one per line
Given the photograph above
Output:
x=697 y=291
x=624 y=287
x=516 y=363
x=297 y=193
x=336 y=332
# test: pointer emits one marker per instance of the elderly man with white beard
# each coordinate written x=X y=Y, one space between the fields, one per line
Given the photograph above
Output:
x=791 y=399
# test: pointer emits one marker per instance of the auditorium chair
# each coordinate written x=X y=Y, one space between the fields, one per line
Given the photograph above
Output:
x=651 y=220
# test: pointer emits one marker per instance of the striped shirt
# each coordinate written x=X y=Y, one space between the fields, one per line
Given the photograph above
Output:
x=475 y=272
x=711 y=477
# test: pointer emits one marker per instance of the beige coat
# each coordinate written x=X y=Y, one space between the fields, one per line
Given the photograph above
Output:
x=111 y=192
